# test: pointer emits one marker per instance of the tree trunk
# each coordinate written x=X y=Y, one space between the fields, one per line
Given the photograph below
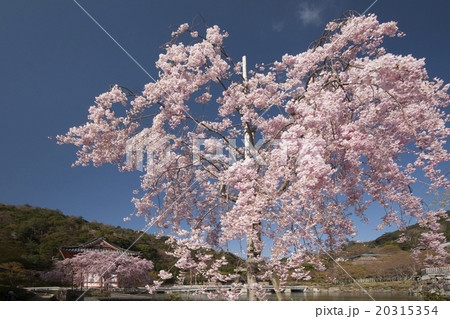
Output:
x=276 y=287
x=252 y=256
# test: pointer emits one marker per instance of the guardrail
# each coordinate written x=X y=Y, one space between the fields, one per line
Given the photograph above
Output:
x=187 y=288
x=436 y=271
x=180 y=288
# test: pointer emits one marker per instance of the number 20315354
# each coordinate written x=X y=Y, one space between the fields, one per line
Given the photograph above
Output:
x=417 y=310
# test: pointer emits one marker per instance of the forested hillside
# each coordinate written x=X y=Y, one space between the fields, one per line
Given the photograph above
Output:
x=30 y=238
x=412 y=232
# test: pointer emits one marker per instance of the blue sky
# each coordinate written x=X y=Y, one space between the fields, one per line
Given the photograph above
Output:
x=55 y=60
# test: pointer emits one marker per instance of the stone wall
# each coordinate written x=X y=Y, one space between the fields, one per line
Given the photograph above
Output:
x=435 y=284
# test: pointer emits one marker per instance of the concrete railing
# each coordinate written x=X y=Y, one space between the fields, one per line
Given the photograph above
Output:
x=436 y=271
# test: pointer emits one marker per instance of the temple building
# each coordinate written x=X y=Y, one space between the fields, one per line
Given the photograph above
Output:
x=99 y=244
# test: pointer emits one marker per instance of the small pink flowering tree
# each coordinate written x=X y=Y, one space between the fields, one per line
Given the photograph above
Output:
x=281 y=157
x=128 y=271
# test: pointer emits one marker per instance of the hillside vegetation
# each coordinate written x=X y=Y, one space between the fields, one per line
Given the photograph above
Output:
x=412 y=232
x=31 y=236
x=387 y=259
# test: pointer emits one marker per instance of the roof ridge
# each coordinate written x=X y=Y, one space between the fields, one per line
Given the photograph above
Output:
x=88 y=246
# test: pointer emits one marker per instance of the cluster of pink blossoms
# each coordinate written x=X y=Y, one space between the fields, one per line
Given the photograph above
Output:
x=336 y=121
x=129 y=271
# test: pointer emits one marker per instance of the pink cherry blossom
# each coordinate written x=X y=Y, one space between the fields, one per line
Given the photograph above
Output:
x=335 y=121
x=130 y=271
